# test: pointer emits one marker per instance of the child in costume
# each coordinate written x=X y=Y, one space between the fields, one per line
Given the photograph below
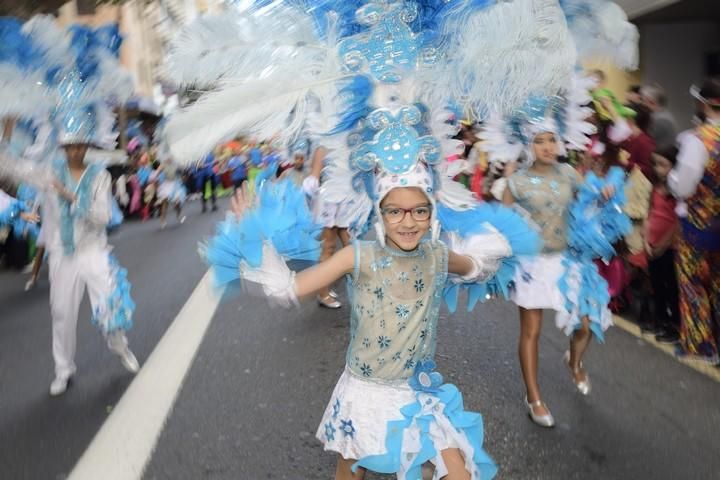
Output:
x=382 y=78
x=76 y=218
x=389 y=392
x=80 y=74
x=172 y=192
x=563 y=277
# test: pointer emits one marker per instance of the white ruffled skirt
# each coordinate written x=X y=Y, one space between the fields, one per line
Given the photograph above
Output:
x=537 y=285
x=333 y=214
x=356 y=425
x=173 y=191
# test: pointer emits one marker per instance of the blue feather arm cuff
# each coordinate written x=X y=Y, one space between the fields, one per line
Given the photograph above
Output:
x=280 y=215
x=523 y=238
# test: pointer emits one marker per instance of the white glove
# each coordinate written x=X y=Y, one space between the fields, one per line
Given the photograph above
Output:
x=486 y=250
x=498 y=188
x=311 y=185
x=274 y=276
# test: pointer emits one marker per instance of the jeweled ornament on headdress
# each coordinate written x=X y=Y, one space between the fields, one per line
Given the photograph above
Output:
x=396 y=147
x=389 y=47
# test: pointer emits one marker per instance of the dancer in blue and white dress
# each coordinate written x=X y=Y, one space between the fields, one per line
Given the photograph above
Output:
x=390 y=411
x=579 y=220
x=376 y=84
x=172 y=192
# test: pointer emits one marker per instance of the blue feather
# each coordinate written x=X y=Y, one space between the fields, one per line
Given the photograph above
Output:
x=281 y=216
x=356 y=95
x=522 y=237
x=595 y=224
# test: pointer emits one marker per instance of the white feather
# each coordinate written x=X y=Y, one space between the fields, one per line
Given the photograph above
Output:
x=22 y=94
x=115 y=84
x=53 y=40
x=601 y=30
x=497 y=143
x=261 y=109
x=451 y=193
x=237 y=45
x=502 y=54
x=577 y=128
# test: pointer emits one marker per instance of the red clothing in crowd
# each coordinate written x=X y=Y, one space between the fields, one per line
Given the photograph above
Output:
x=662 y=219
x=640 y=148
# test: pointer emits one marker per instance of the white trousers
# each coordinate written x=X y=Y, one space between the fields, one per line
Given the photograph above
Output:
x=69 y=276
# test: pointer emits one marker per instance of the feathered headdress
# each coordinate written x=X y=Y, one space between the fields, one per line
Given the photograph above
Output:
x=63 y=86
x=375 y=83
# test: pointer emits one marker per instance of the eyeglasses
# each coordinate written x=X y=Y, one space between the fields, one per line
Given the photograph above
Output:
x=397 y=215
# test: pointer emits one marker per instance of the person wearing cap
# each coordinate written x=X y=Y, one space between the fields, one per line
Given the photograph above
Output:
x=77 y=212
x=696 y=181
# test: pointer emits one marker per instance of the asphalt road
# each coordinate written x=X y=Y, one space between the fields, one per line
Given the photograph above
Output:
x=42 y=437
x=257 y=388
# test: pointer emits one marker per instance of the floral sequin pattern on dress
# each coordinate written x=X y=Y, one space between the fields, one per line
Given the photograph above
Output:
x=395 y=308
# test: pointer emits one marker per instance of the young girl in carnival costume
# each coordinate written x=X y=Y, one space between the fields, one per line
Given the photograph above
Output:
x=381 y=80
x=579 y=220
x=172 y=192
x=79 y=74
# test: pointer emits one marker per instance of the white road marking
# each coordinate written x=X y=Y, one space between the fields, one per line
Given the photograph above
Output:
x=125 y=443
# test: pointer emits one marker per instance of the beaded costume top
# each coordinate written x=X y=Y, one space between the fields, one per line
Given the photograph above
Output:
x=395 y=297
x=546 y=198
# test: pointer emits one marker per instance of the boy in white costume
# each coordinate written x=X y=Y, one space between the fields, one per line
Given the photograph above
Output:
x=76 y=216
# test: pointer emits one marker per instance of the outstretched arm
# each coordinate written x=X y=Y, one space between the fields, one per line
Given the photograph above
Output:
x=301 y=284
x=461 y=265
x=325 y=273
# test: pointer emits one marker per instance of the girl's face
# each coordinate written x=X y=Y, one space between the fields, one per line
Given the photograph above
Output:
x=406 y=215
x=545 y=148
x=662 y=166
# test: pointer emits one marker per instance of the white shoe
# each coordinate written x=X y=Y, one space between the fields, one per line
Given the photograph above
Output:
x=59 y=385
x=547 y=420
x=583 y=386
x=29 y=285
x=127 y=358
x=117 y=342
x=182 y=219
x=329 y=302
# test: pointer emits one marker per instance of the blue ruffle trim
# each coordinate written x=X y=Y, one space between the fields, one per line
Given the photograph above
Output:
x=281 y=216
x=594 y=225
x=522 y=237
x=593 y=294
x=447 y=402
x=119 y=305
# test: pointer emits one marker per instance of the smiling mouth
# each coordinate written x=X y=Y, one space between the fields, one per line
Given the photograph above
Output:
x=407 y=235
